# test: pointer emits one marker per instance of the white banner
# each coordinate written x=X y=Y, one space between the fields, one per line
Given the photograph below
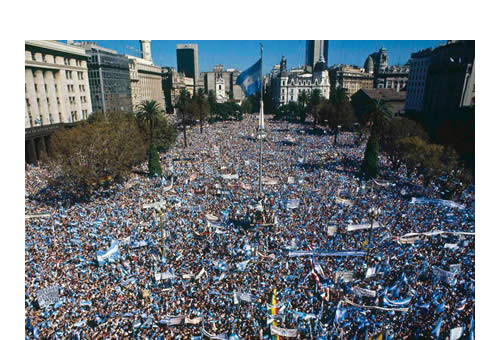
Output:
x=193 y=321
x=164 y=276
x=346 y=276
x=269 y=181
x=290 y=333
x=375 y=307
x=354 y=227
x=40 y=215
x=445 y=203
x=229 y=176
x=364 y=292
x=157 y=205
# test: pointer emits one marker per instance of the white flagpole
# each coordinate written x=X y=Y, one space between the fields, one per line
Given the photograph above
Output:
x=260 y=132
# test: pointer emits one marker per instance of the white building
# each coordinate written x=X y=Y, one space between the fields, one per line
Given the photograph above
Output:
x=288 y=85
x=220 y=90
x=56 y=83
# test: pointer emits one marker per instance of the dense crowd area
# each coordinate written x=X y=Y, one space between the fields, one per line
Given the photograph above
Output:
x=193 y=271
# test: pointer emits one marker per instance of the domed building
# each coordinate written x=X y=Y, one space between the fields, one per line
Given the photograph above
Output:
x=369 y=67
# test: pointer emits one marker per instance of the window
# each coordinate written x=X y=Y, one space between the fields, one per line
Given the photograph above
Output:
x=58 y=101
x=60 y=118
x=36 y=87
x=45 y=86
x=27 y=102
x=55 y=87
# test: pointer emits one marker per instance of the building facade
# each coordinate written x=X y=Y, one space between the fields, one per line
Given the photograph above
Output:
x=385 y=76
x=288 y=85
x=109 y=79
x=350 y=78
x=419 y=65
x=56 y=91
x=187 y=60
x=450 y=81
x=218 y=77
x=56 y=83
x=145 y=82
x=173 y=83
x=314 y=50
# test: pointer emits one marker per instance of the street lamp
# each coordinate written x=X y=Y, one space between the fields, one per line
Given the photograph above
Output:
x=373 y=214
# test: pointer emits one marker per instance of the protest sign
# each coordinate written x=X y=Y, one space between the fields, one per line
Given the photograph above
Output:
x=331 y=230
x=47 y=296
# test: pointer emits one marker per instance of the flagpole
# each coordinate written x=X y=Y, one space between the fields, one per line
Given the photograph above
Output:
x=260 y=133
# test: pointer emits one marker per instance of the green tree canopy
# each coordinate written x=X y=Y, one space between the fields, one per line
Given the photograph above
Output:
x=106 y=148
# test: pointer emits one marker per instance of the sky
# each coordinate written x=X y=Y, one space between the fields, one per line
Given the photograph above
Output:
x=241 y=54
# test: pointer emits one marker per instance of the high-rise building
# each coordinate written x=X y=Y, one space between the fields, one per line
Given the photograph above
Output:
x=187 y=60
x=56 y=90
x=419 y=65
x=109 y=79
x=450 y=81
x=314 y=50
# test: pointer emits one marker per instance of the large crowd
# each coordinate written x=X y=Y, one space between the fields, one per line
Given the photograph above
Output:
x=187 y=269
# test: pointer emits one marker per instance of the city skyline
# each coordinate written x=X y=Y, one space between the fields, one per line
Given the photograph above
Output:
x=239 y=54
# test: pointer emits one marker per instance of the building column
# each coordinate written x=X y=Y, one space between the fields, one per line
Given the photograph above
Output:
x=44 y=107
x=31 y=151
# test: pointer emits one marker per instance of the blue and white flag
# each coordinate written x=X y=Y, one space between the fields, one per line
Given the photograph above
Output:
x=249 y=80
x=112 y=253
x=437 y=328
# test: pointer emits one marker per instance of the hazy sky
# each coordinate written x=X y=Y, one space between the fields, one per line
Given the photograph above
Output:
x=241 y=54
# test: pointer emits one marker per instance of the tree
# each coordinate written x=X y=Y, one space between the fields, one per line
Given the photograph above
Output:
x=211 y=100
x=154 y=161
x=314 y=102
x=339 y=111
x=302 y=99
x=164 y=135
x=369 y=167
x=397 y=129
x=182 y=106
x=149 y=111
x=203 y=107
x=290 y=112
x=107 y=148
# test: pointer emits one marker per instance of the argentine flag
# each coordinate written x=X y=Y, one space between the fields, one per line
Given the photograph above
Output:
x=249 y=80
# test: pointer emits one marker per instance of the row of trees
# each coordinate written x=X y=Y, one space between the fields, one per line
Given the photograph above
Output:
x=107 y=147
x=403 y=140
x=203 y=107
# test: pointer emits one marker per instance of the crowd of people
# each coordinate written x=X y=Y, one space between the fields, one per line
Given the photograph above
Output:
x=184 y=268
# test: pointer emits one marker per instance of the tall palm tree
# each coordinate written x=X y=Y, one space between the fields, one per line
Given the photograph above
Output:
x=149 y=111
x=377 y=115
x=182 y=104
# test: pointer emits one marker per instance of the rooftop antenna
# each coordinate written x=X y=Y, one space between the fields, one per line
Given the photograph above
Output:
x=136 y=52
